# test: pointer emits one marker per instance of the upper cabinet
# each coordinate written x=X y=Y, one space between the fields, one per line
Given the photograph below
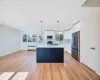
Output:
x=67 y=34
x=49 y=33
x=29 y=38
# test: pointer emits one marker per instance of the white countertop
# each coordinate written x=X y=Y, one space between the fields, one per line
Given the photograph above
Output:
x=50 y=46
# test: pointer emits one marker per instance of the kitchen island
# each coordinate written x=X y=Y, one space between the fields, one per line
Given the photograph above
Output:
x=50 y=54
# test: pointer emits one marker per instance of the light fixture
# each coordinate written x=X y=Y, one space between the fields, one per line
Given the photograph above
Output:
x=41 y=34
x=41 y=25
x=57 y=26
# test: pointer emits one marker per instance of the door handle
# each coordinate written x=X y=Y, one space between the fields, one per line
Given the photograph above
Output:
x=93 y=48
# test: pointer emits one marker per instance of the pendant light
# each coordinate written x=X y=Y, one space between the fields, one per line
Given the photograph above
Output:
x=57 y=26
x=41 y=25
x=41 y=34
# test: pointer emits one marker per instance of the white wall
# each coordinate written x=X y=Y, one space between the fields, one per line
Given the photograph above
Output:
x=90 y=36
x=10 y=40
x=68 y=35
x=98 y=43
x=89 y=29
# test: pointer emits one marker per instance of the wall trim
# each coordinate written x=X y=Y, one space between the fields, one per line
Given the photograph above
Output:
x=69 y=29
x=12 y=53
x=75 y=23
x=98 y=73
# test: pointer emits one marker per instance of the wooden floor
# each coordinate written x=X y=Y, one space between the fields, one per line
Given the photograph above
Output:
x=24 y=61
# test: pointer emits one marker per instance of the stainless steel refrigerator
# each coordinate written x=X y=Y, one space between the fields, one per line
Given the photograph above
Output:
x=75 y=47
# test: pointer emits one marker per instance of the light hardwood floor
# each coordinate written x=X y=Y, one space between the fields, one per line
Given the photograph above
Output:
x=25 y=61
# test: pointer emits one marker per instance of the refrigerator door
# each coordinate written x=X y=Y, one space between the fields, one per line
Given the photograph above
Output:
x=76 y=45
x=76 y=54
x=76 y=40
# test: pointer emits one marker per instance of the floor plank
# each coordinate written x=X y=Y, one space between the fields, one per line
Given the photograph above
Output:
x=20 y=76
x=25 y=61
x=6 y=75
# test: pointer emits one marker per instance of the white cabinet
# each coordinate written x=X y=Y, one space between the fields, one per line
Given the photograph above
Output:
x=67 y=35
x=67 y=38
x=48 y=33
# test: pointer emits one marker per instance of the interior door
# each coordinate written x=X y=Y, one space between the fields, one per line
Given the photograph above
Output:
x=88 y=42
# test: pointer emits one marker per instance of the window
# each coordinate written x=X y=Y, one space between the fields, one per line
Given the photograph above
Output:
x=25 y=38
x=30 y=38
x=34 y=38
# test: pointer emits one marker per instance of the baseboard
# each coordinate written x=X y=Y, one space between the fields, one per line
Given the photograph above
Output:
x=11 y=53
x=88 y=67
x=31 y=50
x=98 y=73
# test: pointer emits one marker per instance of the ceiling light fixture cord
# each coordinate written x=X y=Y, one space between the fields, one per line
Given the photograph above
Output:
x=41 y=25
x=57 y=25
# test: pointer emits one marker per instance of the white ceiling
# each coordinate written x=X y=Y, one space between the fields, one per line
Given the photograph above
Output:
x=27 y=14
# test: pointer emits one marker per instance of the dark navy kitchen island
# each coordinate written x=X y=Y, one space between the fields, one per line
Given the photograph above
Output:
x=50 y=54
